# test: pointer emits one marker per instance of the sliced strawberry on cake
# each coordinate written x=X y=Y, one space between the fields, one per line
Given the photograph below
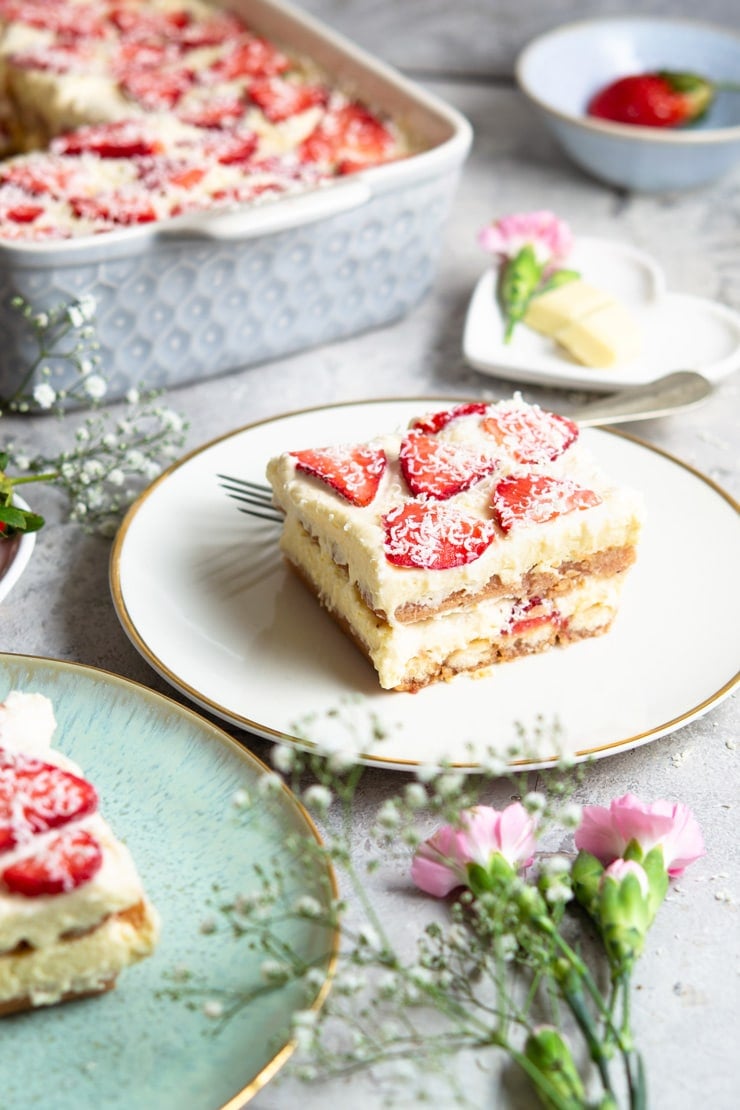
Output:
x=530 y=434
x=438 y=468
x=433 y=536
x=352 y=472
x=129 y=138
x=73 y=913
x=349 y=137
x=439 y=420
x=536 y=498
x=280 y=99
x=252 y=57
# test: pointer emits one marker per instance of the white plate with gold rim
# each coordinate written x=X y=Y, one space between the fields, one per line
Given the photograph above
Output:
x=678 y=331
x=203 y=595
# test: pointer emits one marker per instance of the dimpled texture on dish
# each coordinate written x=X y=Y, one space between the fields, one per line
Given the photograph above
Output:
x=167 y=779
x=194 y=309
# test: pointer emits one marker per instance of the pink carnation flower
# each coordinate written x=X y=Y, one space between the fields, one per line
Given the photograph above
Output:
x=550 y=238
x=441 y=862
x=605 y=833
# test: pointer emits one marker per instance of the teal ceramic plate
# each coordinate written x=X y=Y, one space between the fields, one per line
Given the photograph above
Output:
x=167 y=781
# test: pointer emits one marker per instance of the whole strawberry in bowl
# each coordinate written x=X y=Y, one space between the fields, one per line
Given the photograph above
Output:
x=644 y=103
x=665 y=98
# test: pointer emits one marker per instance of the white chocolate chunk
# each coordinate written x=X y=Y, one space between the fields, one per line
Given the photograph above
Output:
x=550 y=312
x=603 y=338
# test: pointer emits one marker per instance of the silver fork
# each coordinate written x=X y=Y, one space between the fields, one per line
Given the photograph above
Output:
x=681 y=390
x=257 y=498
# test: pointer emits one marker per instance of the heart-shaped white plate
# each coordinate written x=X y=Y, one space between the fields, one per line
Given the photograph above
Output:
x=680 y=332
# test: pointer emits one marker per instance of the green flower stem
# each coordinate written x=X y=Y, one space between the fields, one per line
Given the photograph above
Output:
x=44 y=355
x=48 y=476
x=633 y=1064
x=597 y=1046
x=596 y=1050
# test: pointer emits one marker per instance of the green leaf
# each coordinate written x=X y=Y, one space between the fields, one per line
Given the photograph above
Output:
x=3 y=459
x=34 y=522
x=560 y=277
x=14 y=518
x=518 y=279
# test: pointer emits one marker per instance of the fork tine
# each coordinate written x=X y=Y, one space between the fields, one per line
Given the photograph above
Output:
x=258 y=498
x=253 y=497
x=258 y=487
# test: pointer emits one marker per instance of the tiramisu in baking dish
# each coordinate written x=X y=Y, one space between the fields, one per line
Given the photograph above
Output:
x=480 y=533
x=122 y=112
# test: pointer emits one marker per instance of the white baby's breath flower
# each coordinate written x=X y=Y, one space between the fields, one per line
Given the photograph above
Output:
x=308 y=906
x=86 y=367
x=304 y=1019
x=132 y=396
x=273 y=971
x=415 y=795
x=151 y=470
x=42 y=319
x=87 y=305
x=340 y=761
x=240 y=798
x=82 y=435
x=556 y=865
x=534 y=802
x=558 y=892
x=23 y=462
x=95 y=386
x=213 y=1008
x=314 y=978
x=449 y=784
x=91 y=469
x=270 y=785
x=318 y=798
x=427 y=772
x=388 y=815
x=44 y=395
x=571 y=815
x=171 y=420
x=283 y=758
x=116 y=477
x=369 y=938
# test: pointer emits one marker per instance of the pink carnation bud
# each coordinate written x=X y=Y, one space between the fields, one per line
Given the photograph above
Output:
x=605 y=833
x=441 y=862
x=621 y=868
x=549 y=237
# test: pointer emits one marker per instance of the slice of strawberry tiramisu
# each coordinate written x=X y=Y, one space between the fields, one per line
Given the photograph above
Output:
x=73 y=913
x=481 y=533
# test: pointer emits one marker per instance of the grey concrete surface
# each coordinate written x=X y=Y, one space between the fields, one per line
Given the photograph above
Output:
x=688 y=997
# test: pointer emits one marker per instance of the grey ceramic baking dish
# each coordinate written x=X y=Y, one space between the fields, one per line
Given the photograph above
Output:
x=197 y=296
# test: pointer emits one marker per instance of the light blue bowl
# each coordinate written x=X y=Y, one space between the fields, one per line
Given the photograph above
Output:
x=561 y=70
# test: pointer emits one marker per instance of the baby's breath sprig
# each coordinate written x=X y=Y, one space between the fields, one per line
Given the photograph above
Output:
x=64 y=336
x=527 y=953
x=113 y=456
